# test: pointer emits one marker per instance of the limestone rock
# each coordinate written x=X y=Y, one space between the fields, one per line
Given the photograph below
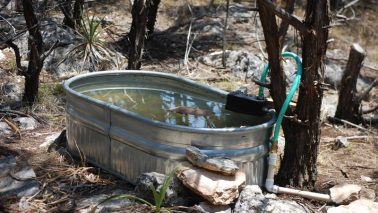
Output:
x=26 y=123
x=367 y=193
x=340 y=142
x=21 y=183
x=344 y=193
x=218 y=164
x=207 y=207
x=252 y=200
x=366 y=179
x=216 y=188
x=358 y=206
x=88 y=205
x=176 y=193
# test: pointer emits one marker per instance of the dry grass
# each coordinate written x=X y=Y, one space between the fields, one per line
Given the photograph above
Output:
x=347 y=165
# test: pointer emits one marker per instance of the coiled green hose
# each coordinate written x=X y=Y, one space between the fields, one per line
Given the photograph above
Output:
x=288 y=97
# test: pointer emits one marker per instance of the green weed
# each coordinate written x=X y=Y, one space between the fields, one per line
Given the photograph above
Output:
x=159 y=195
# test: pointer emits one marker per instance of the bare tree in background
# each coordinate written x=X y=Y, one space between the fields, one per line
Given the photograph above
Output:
x=137 y=33
x=72 y=16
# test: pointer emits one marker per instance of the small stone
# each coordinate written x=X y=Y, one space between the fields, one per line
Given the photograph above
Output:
x=344 y=193
x=366 y=179
x=217 y=164
x=340 y=142
x=207 y=207
x=216 y=188
x=361 y=205
x=367 y=194
x=27 y=123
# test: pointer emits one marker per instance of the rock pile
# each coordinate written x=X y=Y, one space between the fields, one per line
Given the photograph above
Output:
x=215 y=179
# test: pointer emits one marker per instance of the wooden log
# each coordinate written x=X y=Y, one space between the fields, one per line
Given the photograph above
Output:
x=348 y=107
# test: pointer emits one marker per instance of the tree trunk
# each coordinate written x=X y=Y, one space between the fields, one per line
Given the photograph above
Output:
x=349 y=104
x=289 y=7
x=66 y=8
x=35 y=55
x=152 y=13
x=270 y=29
x=302 y=136
x=137 y=33
x=78 y=12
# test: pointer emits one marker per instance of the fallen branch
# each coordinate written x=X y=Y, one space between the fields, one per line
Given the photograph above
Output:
x=367 y=90
x=333 y=119
x=13 y=127
x=367 y=111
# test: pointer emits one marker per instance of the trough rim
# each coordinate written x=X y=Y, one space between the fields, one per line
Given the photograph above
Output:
x=228 y=130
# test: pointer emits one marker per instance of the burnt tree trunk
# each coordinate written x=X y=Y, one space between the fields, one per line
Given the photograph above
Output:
x=137 y=33
x=302 y=136
x=298 y=167
x=277 y=77
x=66 y=7
x=35 y=43
x=77 y=12
x=289 y=7
x=72 y=16
x=151 y=19
x=349 y=104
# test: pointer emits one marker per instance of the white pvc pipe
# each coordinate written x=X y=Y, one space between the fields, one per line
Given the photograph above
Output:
x=269 y=184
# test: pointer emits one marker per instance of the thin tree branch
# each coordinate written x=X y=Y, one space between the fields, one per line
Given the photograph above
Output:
x=292 y=20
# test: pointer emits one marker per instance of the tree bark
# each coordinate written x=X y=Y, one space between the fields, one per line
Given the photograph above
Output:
x=298 y=167
x=137 y=33
x=35 y=55
x=349 y=104
x=151 y=20
x=289 y=8
x=78 y=12
x=66 y=7
x=270 y=29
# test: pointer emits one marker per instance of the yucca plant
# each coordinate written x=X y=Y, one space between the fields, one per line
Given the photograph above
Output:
x=91 y=47
x=159 y=195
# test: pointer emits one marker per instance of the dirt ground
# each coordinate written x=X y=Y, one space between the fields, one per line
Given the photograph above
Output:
x=66 y=181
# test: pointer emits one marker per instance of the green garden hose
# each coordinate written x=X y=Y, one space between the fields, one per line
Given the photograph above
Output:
x=288 y=97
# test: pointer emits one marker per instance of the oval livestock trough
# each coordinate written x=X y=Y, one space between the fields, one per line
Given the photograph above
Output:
x=132 y=122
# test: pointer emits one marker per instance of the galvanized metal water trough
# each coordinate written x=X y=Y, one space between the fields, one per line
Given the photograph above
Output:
x=128 y=144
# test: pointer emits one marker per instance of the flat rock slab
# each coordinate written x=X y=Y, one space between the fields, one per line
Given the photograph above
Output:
x=358 y=206
x=344 y=193
x=217 y=164
x=216 y=188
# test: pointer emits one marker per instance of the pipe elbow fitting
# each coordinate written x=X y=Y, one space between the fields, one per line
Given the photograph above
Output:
x=270 y=187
